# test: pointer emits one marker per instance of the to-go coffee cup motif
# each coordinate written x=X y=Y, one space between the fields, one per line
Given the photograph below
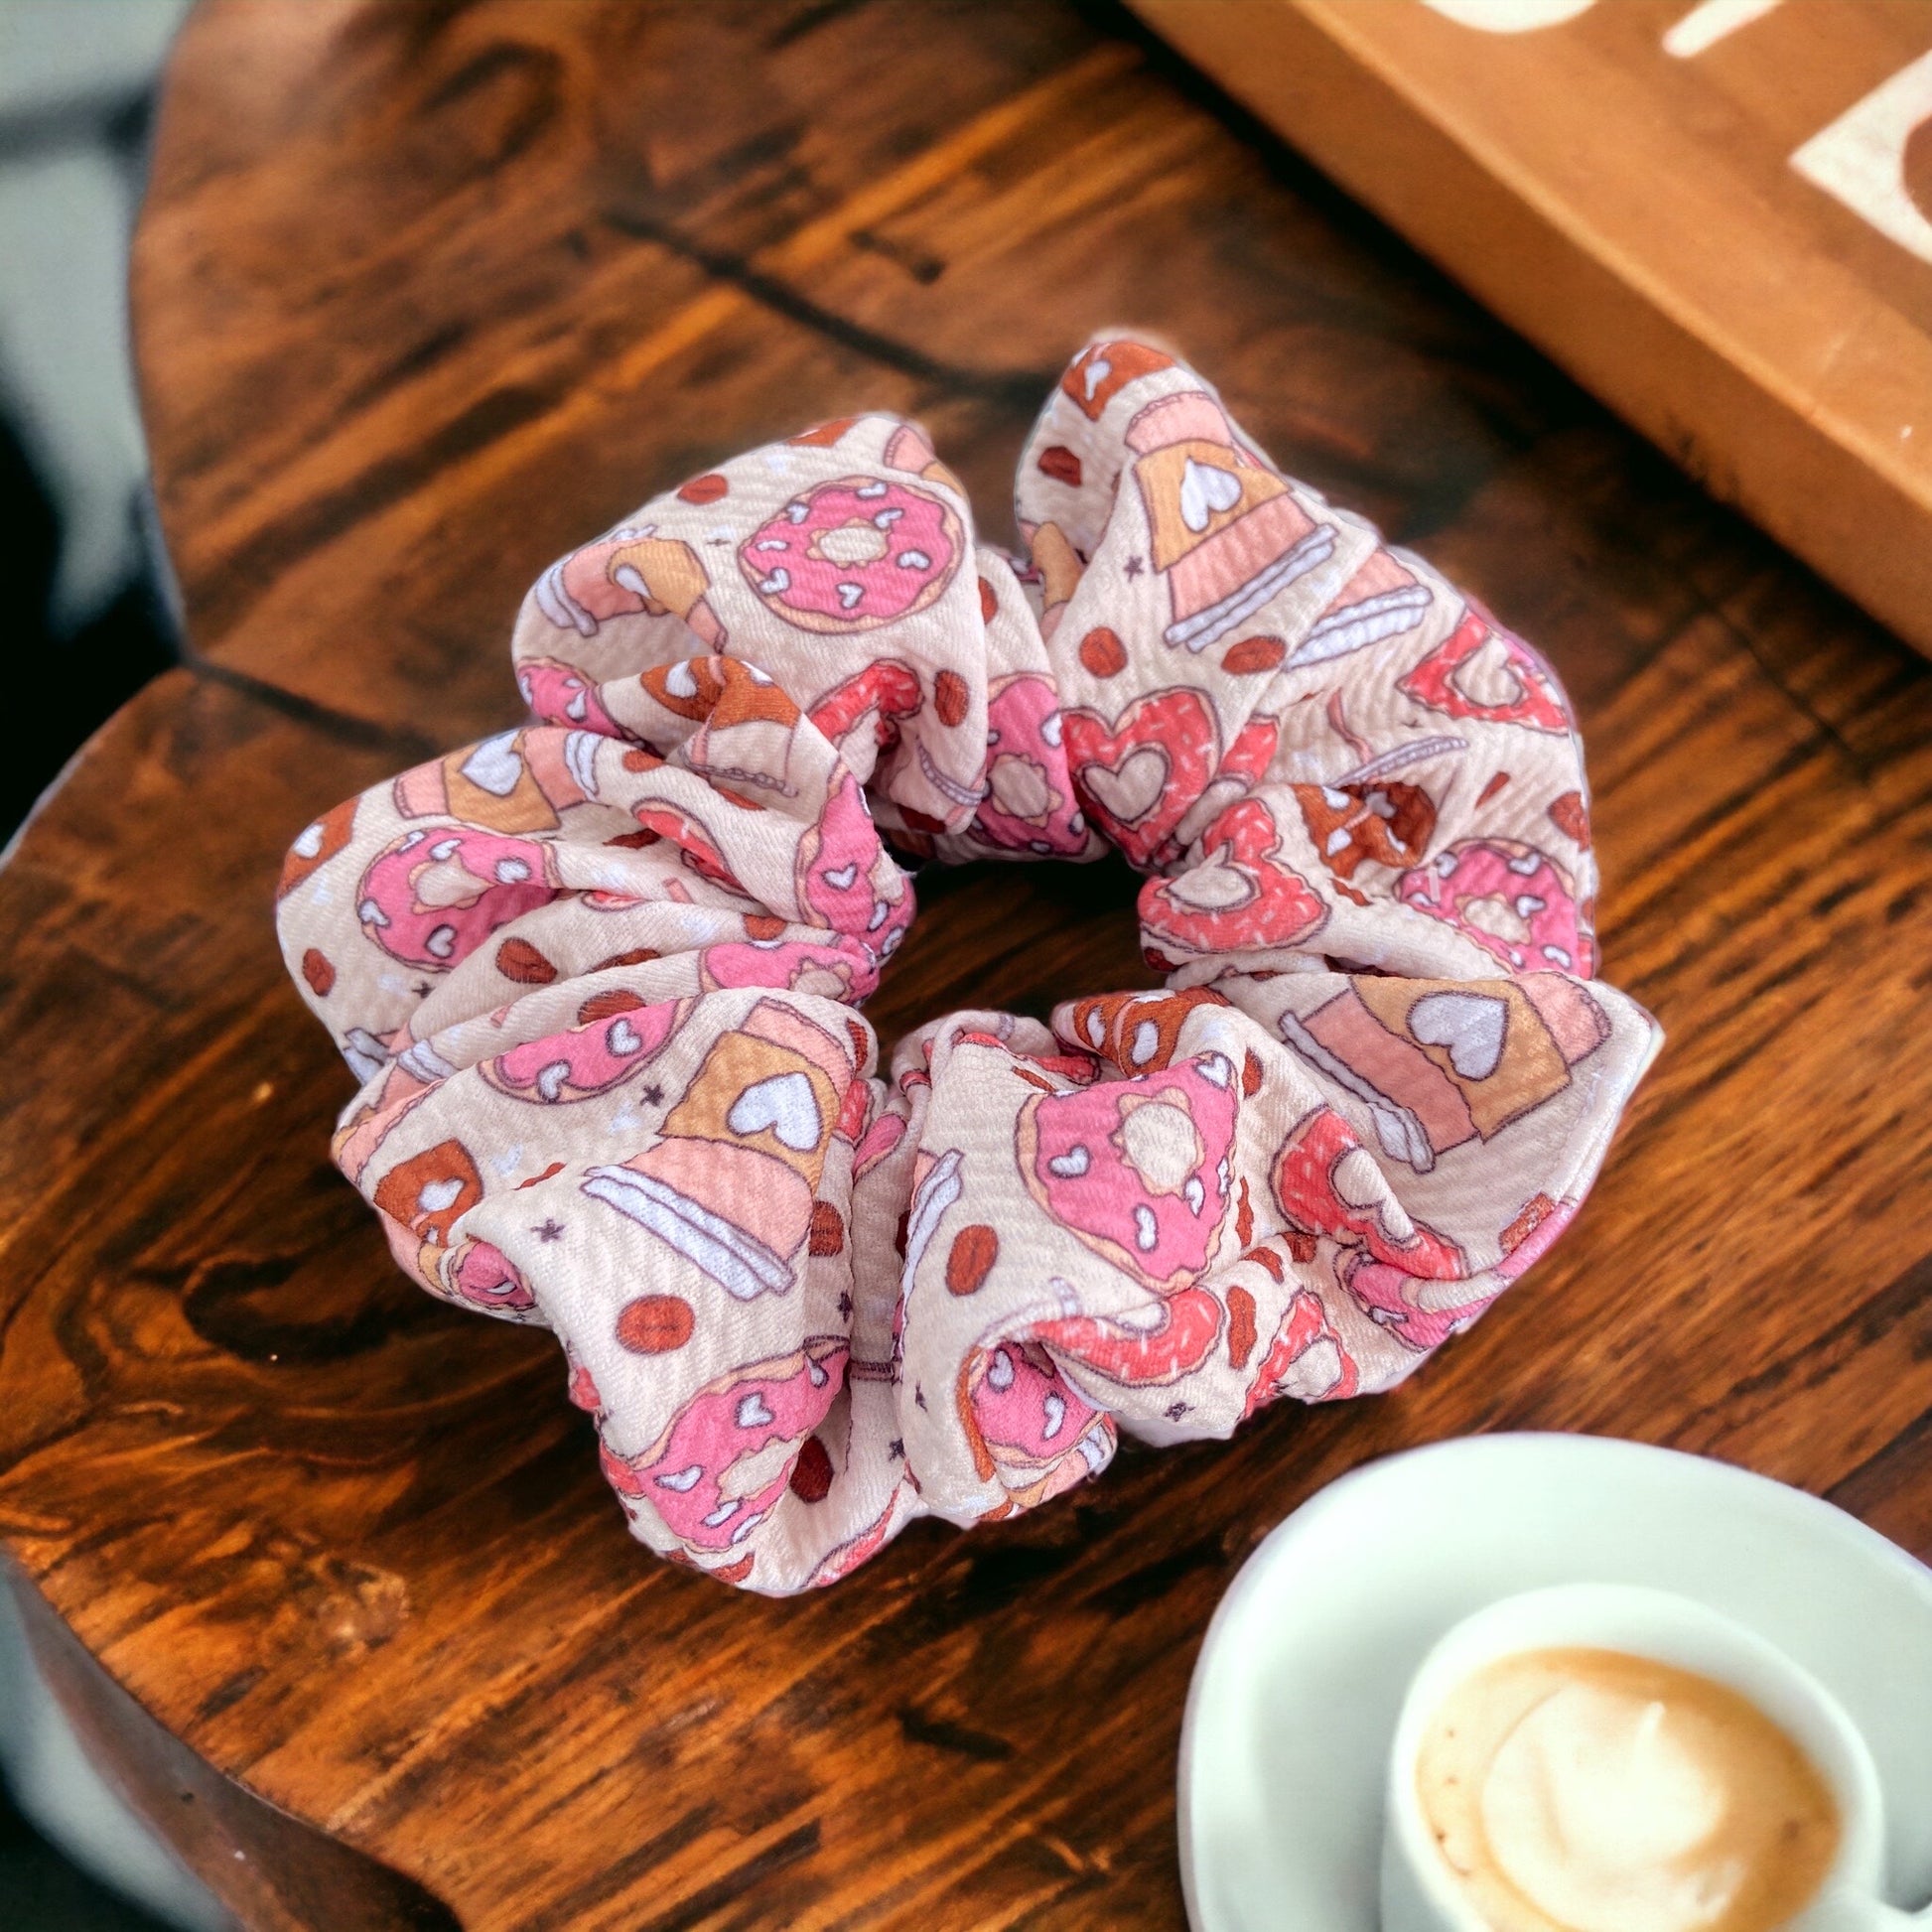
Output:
x=1832 y=1893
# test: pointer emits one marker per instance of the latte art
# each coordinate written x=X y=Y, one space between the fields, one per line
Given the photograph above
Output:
x=1589 y=1791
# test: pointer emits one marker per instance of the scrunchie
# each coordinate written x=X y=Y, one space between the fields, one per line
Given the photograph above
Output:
x=598 y=975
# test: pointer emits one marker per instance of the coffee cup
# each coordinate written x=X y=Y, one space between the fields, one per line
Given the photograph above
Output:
x=1592 y=1732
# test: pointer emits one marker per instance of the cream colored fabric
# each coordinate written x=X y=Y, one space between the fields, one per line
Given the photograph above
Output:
x=599 y=975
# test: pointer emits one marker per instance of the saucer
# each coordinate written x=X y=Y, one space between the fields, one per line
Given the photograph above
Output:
x=1284 y=1748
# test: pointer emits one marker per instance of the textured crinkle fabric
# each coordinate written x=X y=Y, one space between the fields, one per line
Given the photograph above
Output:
x=599 y=975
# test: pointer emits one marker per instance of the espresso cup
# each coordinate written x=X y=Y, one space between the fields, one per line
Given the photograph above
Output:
x=1420 y=1891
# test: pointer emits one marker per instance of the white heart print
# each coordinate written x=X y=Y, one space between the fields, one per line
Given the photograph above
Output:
x=783 y=1104
x=1471 y=1026
x=1205 y=491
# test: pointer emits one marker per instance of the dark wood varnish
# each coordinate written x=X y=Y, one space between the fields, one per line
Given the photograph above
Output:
x=423 y=295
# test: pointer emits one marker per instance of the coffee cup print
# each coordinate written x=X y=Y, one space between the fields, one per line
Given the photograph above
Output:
x=731 y=1183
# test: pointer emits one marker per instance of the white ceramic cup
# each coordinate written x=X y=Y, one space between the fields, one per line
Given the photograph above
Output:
x=1419 y=1891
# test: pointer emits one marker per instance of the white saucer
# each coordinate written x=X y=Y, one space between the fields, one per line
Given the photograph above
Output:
x=1295 y=1697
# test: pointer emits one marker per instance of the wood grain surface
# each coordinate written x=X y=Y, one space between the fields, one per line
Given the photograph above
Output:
x=423 y=295
x=1639 y=214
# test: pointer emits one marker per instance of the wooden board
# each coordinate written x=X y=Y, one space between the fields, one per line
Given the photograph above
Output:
x=1718 y=218
x=422 y=295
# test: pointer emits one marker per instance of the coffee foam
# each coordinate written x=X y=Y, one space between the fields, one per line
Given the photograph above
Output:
x=1589 y=1791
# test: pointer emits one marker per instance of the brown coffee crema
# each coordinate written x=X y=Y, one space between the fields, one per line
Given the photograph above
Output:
x=1581 y=1790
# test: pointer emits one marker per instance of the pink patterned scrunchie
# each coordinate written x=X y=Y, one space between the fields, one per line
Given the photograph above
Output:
x=599 y=975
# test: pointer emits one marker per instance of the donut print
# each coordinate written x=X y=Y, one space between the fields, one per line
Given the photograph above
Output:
x=1510 y=899
x=560 y=694
x=431 y=897
x=726 y=1456
x=841 y=866
x=854 y=554
x=1029 y=806
x=1139 y=1031
x=1138 y=1168
x=1361 y=1090
x=1419 y=1310
x=1353 y=825
x=483 y=1276
x=588 y=1059
x=1029 y=1425
x=838 y=972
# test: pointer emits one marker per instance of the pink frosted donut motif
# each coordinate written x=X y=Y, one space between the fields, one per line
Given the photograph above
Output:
x=1419 y=1312
x=837 y=863
x=1509 y=898
x=484 y=1275
x=431 y=897
x=716 y=1472
x=1030 y=1424
x=853 y=554
x=560 y=694
x=1139 y=1167
x=586 y=1060
x=835 y=972
x=1029 y=804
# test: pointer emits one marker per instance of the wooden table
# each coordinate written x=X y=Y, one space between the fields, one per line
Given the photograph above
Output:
x=424 y=294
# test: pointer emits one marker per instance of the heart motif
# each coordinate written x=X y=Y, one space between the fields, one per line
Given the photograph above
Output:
x=1511 y=684
x=1489 y=677
x=1138 y=778
x=494 y=766
x=1469 y=1026
x=1361 y=1187
x=1214 y=885
x=622 y=1038
x=1326 y=1183
x=753 y=1411
x=436 y=1195
x=782 y=1105
x=1207 y=492
x=1237 y=896
x=1131 y=788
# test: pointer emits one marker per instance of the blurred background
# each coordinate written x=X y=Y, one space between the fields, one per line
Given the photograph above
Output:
x=84 y=586
x=79 y=574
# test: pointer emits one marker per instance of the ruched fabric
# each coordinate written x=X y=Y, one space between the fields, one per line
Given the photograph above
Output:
x=599 y=975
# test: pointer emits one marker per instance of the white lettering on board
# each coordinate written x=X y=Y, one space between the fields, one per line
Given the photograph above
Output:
x=1710 y=21
x=1509 y=16
x=1860 y=157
